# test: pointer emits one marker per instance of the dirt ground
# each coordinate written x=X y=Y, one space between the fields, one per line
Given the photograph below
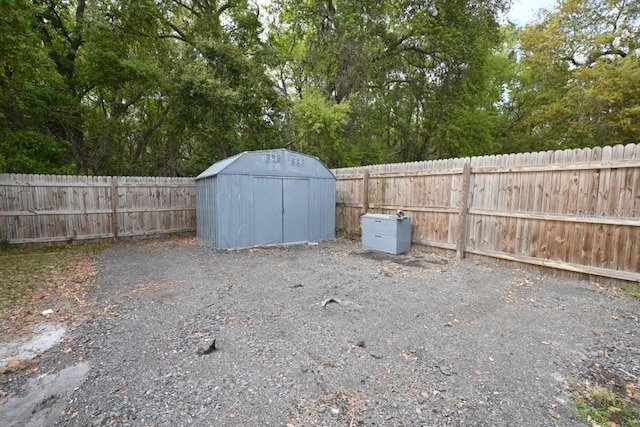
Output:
x=324 y=335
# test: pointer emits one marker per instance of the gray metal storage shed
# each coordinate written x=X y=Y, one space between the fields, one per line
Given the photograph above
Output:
x=268 y=197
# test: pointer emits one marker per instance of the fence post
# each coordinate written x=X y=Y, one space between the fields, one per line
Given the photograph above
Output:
x=114 y=206
x=464 y=209
x=365 y=191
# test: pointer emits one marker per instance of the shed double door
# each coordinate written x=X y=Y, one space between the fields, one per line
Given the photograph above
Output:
x=280 y=210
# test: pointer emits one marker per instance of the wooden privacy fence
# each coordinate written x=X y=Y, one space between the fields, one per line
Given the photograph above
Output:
x=576 y=211
x=48 y=208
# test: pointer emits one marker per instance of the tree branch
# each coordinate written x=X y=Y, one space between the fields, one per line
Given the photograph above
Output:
x=60 y=23
x=224 y=7
x=189 y=8
x=181 y=33
x=390 y=49
x=149 y=131
x=594 y=56
x=172 y=36
x=77 y=41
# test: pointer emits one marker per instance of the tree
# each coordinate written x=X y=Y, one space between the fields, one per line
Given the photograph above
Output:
x=166 y=87
x=29 y=96
x=226 y=101
x=408 y=70
x=319 y=129
x=580 y=78
x=133 y=87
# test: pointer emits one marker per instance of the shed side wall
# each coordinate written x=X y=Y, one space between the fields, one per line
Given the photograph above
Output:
x=206 y=210
x=322 y=203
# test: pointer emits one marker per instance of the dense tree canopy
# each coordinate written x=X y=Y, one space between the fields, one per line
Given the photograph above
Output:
x=416 y=74
x=166 y=87
x=579 y=80
x=132 y=87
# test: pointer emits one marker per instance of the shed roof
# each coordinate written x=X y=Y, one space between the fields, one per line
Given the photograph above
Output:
x=278 y=162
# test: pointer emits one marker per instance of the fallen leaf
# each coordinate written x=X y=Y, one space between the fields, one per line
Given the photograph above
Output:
x=67 y=350
x=36 y=297
x=13 y=365
x=385 y=271
x=74 y=415
x=629 y=390
x=408 y=356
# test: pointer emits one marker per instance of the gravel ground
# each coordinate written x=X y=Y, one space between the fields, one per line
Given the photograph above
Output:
x=335 y=335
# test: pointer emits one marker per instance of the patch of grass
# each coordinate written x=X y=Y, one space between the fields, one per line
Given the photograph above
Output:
x=634 y=291
x=26 y=270
x=600 y=406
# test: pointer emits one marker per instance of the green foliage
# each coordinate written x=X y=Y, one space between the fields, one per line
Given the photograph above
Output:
x=417 y=78
x=634 y=291
x=29 y=97
x=600 y=406
x=132 y=87
x=167 y=87
x=579 y=77
x=319 y=129
x=35 y=153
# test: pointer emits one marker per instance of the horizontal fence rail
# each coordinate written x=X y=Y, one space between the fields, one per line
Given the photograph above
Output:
x=576 y=211
x=49 y=208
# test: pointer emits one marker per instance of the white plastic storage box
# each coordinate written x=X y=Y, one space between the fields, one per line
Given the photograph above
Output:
x=386 y=233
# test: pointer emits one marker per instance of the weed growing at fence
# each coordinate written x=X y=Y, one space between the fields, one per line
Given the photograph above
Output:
x=30 y=273
x=634 y=291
